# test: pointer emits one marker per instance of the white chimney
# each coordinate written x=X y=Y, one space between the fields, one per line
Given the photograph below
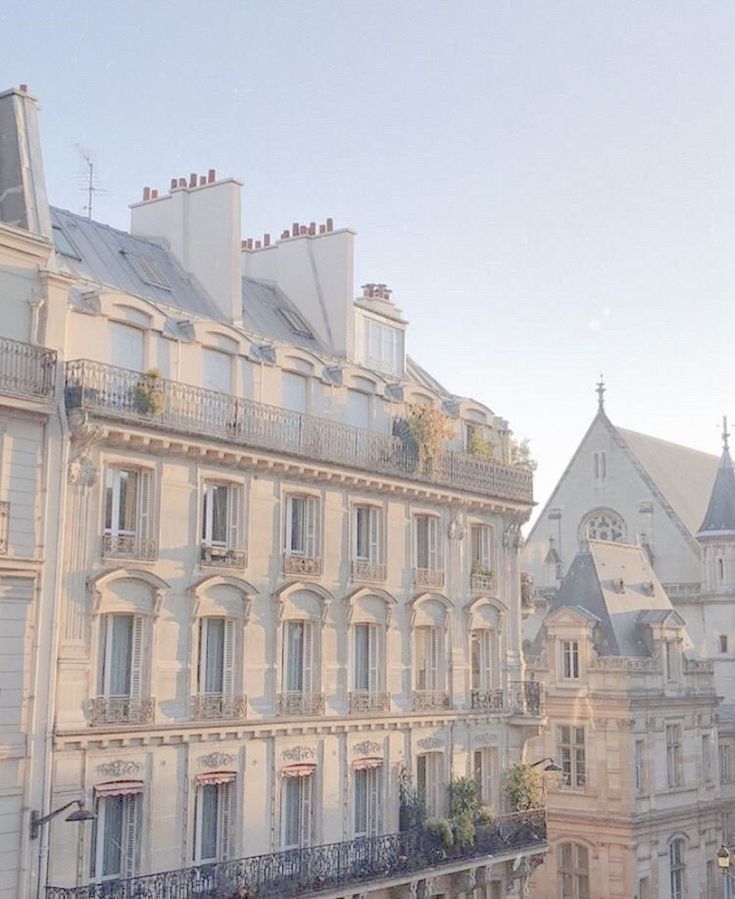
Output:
x=23 y=200
x=200 y=221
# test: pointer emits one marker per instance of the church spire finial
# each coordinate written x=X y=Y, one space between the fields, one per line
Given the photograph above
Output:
x=600 y=391
x=725 y=434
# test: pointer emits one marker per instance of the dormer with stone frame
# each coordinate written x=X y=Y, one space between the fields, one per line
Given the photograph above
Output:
x=570 y=645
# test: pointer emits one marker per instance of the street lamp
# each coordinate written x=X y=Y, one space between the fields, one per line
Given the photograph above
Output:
x=723 y=859
x=81 y=813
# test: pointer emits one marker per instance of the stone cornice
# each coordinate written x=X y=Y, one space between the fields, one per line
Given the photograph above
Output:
x=22 y=244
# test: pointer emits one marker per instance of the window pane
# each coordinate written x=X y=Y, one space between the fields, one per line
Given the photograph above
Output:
x=362 y=644
x=362 y=527
x=298 y=513
x=294 y=656
x=128 y=501
x=422 y=541
x=217 y=371
x=220 y=494
x=113 y=836
x=214 y=630
x=294 y=391
x=209 y=796
x=361 y=803
x=120 y=655
x=292 y=811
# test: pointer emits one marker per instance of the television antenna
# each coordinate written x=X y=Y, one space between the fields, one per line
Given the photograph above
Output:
x=88 y=184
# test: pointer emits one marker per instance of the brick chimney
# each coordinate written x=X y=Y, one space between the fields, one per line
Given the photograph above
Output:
x=23 y=201
x=200 y=221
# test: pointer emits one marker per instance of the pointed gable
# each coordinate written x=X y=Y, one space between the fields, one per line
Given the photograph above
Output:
x=720 y=514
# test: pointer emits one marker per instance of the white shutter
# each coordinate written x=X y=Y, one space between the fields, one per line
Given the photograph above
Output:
x=433 y=555
x=307 y=789
x=486 y=656
x=374 y=523
x=288 y=536
x=433 y=659
x=228 y=658
x=144 y=508
x=136 y=661
x=234 y=497
x=373 y=658
x=226 y=798
x=310 y=543
x=104 y=656
x=130 y=834
x=486 y=548
x=373 y=801
x=308 y=669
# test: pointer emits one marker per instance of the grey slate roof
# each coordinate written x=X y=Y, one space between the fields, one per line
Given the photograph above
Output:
x=720 y=515
x=262 y=306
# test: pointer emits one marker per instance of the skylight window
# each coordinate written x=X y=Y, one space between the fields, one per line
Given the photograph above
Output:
x=296 y=323
x=63 y=244
x=147 y=270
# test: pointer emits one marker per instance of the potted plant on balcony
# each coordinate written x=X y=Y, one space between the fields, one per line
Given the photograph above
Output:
x=148 y=398
x=479 y=445
x=481 y=570
x=429 y=428
x=523 y=788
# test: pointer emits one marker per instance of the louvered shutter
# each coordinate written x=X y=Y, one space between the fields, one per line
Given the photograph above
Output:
x=308 y=663
x=137 y=659
x=144 y=509
x=310 y=542
x=307 y=788
x=374 y=522
x=104 y=657
x=373 y=801
x=432 y=535
x=228 y=659
x=487 y=546
x=486 y=655
x=373 y=658
x=131 y=807
x=234 y=498
x=226 y=797
x=433 y=660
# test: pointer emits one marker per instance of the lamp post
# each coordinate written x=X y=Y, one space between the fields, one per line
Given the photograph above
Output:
x=80 y=814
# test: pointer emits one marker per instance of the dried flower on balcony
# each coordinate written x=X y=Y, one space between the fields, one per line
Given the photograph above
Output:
x=520 y=455
x=149 y=395
x=479 y=445
x=430 y=428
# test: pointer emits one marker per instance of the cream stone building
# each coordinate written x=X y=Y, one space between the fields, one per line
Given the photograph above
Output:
x=244 y=604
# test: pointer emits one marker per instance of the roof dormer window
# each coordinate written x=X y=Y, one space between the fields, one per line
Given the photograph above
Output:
x=383 y=348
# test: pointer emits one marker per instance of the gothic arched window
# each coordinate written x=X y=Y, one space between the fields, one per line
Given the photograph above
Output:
x=603 y=524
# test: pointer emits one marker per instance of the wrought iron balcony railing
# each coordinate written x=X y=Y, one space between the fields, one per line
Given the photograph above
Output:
x=367 y=701
x=4 y=527
x=428 y=577
x=130 y=396
x=121 y=710
x=526 y=698
x=483 y=584
x=430 y=700
x=26 y=370
x=218 y=705
x=128 y=546
x=363 y=570
x=487 y=700
x=222 y=557
x=298 y=564
x=396 y=857
x=300 y=704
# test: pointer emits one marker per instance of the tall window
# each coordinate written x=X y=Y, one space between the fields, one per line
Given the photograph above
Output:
x=358 y=409
x=570 y=659
x=482 y=763
x=297 y=812
x=384 y=347
x=600 y=465
x=428 y=649
x=367 y=525
x=213 y=814
x=677 y=851
x=723 y=642
x=121 y=653
x=482 y=549
x=725 y=763
x=301 y=526
x=114 y=837
x=427 y=544
x=481 y=657
x=216 y=656
x=126 y=346
x=298 y=657
x=572 y=755
x=706 y=758
x=127 y=513
x=367 y=658
x=367 y=786
x=574 y=871
x=221 y=510
x=430 y=781
x=294 y=391
x=217 y=371
x=640 y=765
x=673 y=755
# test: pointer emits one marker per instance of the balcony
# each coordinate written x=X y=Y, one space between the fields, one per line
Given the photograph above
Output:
x=123 y=395
x=221 y=557
x=293 y=563
x=4 y=527
x=128 y=546
x=392 y=859
x=526 y=698
x=430 y=700
x=364 y=570
x=366 y=702
x=206 y=706
x=300 y=704
x=487 y=700
x=121 y=710
x=428 y=577
x=26 y=370
x=484 y=584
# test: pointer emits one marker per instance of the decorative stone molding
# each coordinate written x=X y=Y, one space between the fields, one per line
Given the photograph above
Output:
x=216 y=760
x=430 y=743
x=82 y=472
x=366 y=747
x=456 y=530
x=119 y=768
x=485 y=738
x=298 y=754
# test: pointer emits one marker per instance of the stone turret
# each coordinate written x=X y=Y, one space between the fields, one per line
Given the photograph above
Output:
x=716 y=535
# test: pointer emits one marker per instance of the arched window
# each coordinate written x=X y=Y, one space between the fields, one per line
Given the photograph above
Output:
x=677 y=865
x=574 y=880
x=603 y=524
x=369 y=616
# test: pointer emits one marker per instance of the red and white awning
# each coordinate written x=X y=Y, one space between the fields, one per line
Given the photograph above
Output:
x=119 y=788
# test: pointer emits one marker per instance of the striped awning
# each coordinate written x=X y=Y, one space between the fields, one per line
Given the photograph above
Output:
x=298 y=770
x=119 y=788
x=216 y=777
x=371 y=761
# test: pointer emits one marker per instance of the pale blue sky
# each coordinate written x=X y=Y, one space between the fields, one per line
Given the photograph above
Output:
x=547 y=186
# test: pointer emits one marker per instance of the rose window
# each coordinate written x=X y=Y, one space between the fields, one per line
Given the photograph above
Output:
x=604 y=524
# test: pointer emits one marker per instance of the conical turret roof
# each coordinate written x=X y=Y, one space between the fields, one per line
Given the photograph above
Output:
x=720 y=514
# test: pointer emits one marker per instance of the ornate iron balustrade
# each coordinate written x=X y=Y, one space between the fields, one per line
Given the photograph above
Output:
x=526 y=698
x=218 y=705
x=119 y=546
x=296 y=564
x=26 y=370
x=363 y=570
x=487 y=700
x=219 y=556
x=300 y=704
x=430 y=700
x=428 y=577
x=480 y=584
x=298 y=872
x=4 y=527
x=126 y=395
x=121 y=710
x=367 y=701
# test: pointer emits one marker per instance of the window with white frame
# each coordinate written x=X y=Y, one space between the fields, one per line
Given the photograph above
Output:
x=358 y=409
x=484 y=773
x=128 y=501
x=299 y=660
x=482 y=657
x=221 y=519
x=428 y=658
x=674 y=771
x=367 y=673
x=294 y=391
x=301 y=525
x=217 y=370
x=640 y=765
x=367 y=542
x=297 y=810
x=427 y=543
x=570 y=659
x=127 y=346
x=367 y=785
x=430 y=781
x=121 y=656
x=384 y=347
x=213 y=814
x=216 y=656
x=574 y=878
x=572 y=756
x=481 y=540
x=677 y=868
x=115 y=836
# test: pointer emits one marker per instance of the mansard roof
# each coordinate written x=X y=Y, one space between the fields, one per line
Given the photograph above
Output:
x=720 y=515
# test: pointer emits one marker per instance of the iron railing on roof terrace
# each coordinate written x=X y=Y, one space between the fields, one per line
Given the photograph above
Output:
x=25 y=369
x=400 y=857
x=130 y=396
